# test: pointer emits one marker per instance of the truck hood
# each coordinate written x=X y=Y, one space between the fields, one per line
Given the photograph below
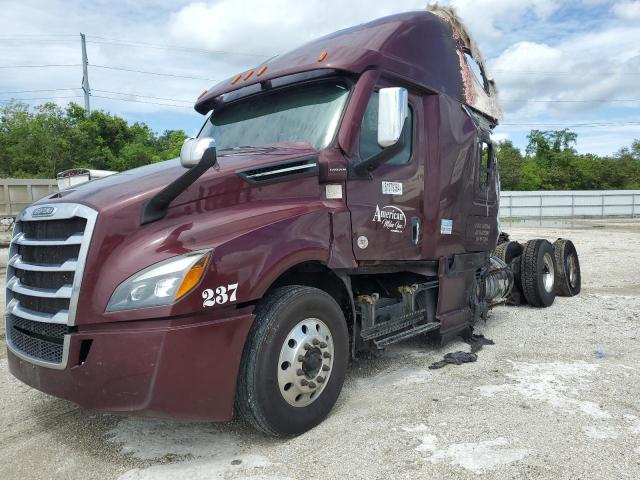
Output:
x=135 y=187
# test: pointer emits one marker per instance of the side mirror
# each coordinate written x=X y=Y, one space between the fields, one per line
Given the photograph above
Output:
x=393 y=109
x=193 y=149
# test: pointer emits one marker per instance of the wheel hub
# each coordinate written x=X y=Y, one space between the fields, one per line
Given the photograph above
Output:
x=305 y=362
x=548 y=272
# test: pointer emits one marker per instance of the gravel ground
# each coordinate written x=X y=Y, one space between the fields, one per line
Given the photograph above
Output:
x=555 y=397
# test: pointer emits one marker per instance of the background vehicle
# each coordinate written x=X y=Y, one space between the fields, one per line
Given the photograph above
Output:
x=348 y=202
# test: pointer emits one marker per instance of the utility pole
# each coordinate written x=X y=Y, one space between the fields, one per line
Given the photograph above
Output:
x=85 y=74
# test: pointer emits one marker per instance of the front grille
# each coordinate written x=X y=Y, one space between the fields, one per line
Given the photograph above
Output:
x=54 y=229
x=46 y=260
x=48 y=254
x=44 y=341
x=43 y=279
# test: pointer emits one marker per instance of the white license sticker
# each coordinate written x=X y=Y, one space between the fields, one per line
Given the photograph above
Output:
x=220 y=295
x=334 y=191
x=391 y=188
x=446 y=226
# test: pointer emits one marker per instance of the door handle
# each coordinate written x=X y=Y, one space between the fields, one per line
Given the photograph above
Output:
x=415 y=230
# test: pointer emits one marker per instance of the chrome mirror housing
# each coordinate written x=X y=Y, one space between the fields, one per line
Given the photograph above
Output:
x=193 y=149
x=393 y=109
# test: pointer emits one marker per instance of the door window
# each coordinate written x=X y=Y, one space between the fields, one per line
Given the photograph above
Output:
x=369 y=134
x=486 y=164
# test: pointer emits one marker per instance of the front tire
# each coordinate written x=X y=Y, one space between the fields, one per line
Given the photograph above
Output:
x=294 y=361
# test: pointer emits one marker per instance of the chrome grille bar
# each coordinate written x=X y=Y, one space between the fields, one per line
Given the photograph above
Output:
x=68 y=266
x=14 y=308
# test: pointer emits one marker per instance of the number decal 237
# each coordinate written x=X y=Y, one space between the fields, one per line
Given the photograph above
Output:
x=220 y=295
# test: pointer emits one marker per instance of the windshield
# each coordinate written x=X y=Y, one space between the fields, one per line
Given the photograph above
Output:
x=305 y=113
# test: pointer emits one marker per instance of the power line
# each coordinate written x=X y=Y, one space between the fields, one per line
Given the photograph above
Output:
x=572 y=125
x=151 y=73
x=140 y=101
x=23 y=35
x=584 y=101
x=535 y=72
x=108 y=41
x=9 y=100
x=43 y=90
x=43 y=66
x=191 y=102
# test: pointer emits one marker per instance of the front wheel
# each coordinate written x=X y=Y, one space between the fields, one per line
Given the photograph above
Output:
x=294 y=361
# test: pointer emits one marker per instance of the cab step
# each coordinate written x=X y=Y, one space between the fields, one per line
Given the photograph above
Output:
x=417 y=330
x=385 y=328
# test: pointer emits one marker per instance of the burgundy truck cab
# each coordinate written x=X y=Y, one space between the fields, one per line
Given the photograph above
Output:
x=306 y=238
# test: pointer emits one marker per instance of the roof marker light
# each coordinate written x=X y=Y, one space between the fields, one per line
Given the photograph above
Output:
x=236 y=78
x=322 y=56
x=247 y=75
x=262 y=70
x=202 y=94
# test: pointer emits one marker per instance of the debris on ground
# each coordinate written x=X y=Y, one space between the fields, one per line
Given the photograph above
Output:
x=477 y=341
x=455 y=358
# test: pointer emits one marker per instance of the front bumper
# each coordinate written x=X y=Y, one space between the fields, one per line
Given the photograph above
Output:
x=178 y=369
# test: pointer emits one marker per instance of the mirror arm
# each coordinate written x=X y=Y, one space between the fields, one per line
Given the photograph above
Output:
x=383 y=156
x=156 y=207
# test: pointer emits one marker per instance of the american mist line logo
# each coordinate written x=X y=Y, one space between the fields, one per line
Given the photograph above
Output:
x=391 y=218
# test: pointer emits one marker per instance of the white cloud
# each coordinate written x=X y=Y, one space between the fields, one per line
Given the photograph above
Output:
x=584 y=59
x=627 y=10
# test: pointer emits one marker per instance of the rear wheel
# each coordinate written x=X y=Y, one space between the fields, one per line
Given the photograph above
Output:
x=537 y=273
x=507 y=251
x=294 y=361
x=568 y=279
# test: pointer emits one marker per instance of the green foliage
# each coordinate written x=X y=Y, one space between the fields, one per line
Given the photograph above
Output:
x=552 y=163
x=40 y=142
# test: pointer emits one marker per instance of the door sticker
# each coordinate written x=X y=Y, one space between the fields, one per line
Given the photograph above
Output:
x=391 y=218
x=446 y=226
x=363 y=242
x=391 y=188
x=334 y=191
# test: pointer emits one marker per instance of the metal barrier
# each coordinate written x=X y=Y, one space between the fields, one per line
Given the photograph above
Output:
x=570 y=204
x=17 y=193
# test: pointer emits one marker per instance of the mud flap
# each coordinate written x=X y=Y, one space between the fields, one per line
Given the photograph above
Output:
x=456 y=275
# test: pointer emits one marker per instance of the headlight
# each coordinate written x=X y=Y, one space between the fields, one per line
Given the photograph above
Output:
x=161 y=284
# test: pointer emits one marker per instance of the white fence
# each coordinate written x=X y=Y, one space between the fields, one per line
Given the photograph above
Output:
x=570 y=204
x=15 y=194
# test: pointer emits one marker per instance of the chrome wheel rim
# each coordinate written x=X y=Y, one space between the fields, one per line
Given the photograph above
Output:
x=548 y=272
x=572 y=268
x=305 y=362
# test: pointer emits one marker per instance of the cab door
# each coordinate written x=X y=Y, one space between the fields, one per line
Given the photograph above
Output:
x=387 y=208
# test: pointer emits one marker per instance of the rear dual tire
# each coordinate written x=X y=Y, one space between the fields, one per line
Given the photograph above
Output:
x=294 y=362
x=538 y=272
x=568 y=278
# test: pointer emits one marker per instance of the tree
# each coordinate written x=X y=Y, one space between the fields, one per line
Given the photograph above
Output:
x=42 y=141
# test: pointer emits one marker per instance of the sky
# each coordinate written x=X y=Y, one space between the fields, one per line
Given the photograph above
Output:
x=557 y=64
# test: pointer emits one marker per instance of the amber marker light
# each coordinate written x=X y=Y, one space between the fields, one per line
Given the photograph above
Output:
x=236 y=78
x=262 y=70
x=247 y=75
x=322 y=56
x=202 y=94
x=193 y=276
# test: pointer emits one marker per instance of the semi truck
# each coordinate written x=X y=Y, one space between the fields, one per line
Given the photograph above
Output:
x=338 y=199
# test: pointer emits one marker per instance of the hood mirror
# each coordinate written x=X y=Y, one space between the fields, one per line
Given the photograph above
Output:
x=193 y=149
x=393 y=110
